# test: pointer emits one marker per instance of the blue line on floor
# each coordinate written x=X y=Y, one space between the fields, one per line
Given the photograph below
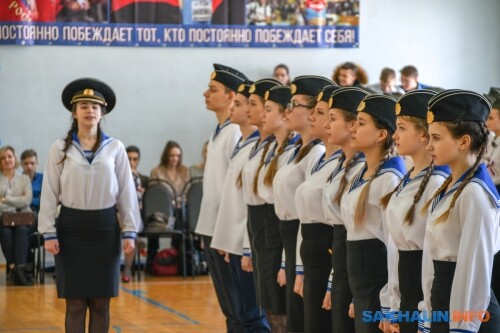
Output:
x=117 y=329
x=138 y=294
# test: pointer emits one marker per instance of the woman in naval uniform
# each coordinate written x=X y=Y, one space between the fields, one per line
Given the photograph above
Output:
x=405 y=221
x=343 y=105
x=314 y=243
x=267 y=295
x=88 y=173
x=463 y=217
x=364 y=219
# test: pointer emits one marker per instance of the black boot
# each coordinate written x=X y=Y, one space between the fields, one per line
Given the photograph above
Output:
x=20 y=278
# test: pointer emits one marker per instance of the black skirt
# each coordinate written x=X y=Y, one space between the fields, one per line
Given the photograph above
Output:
x=266 y=257
x=294 y=303
x=444 y=271
x=316 y=258
x=88 y=264
x=341 y=293
x=367 y=269
x=410 y=282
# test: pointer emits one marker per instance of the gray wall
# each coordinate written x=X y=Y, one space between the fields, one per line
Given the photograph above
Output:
x=454 y=43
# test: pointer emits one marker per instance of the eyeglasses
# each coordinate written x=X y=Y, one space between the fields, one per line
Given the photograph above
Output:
x=293 y=105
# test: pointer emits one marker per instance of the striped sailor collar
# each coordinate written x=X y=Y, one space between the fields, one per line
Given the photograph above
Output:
x=104 y=141
x=245 y=142
x=358 y=157
x=260 y=145
x=299 y=145
x=480 y=177
x=439 y=170
x=394 y=165
x=322 y=161
x=220 y=127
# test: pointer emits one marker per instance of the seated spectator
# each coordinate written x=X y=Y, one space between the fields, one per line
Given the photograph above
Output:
x=259 y=13
x=349 y=74
x=171 y=169
x=140 y=181
x=387 y=84
x=15 y=195
x=282 y=74
x=409 y=79
x=29 y=163
x=197 y=170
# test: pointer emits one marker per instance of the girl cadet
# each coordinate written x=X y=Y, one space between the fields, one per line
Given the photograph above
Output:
x=88 y=173
x=277 y=98
x=364 y=219
x=463 y=217
x=307 y=151
x=316 y=240
x=268 y=295
x=231 y=223
x=219 y=97
x=403 y=205
x=343 y=104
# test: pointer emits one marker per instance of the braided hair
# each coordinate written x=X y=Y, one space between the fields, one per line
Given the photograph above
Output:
x=359 y=215
x=479 y=135
x=262 y=160
x=273 y=166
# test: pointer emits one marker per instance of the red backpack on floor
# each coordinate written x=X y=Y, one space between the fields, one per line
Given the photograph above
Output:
x=166 y=262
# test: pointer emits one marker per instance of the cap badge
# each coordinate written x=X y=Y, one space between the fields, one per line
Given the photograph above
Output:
x=252 y=89
x=241 y=88
x=293 y=88
x=88 y=92
x=330 y=102
x=398 y=109
x=214 y=74
x=320 y=96
x=430 y=117
x=361 y=106
x=266 y=96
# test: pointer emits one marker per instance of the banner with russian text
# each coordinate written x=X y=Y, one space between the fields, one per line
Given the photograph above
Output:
x=181 y=23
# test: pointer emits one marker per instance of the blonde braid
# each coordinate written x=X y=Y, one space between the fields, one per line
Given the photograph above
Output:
x=386 y=198
x=411 y=212
x=343 y=182
x=262 y=160
x=69 y=138
x=273 y=166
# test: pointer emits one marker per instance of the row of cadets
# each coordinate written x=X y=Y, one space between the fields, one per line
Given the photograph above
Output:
x=343 y=106
x=362 y=215
x=219 y=97
x=269 y=294
x=463 y=216
x=274 y=121
x=314 y=242
x=307 y=151
x=405 y=220
x=231 y=223
x=492 y=159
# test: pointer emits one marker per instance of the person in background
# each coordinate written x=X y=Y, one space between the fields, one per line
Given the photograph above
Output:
x=29 y=163
x=15 y=195
x=88 y=174
x=140 y=182
x=196 y=170
x=348 y=74
x=387 y=84
x=409 y=79
x=282 y=73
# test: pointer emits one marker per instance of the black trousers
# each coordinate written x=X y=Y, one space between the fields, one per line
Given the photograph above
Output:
x=315 y=252
x=341 y=293
x=225 y=287
x=444 y=271
x=15 y=243
x=410 y=282
x=294 y=302
x=367 y=269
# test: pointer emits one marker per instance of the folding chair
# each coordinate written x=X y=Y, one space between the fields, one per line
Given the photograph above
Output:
x=191 y=203
x=159 y=199
x=37 y=246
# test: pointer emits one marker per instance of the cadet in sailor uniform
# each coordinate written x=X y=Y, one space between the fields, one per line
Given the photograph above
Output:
x=317 y=234
x=343 y=104
x=89 y=175
x=463 y=215
x=219 y=97
x=492 y=158
x=268 y=295
x=288 y=178
x=364 y=219
x=405 y=221
x=231 y=223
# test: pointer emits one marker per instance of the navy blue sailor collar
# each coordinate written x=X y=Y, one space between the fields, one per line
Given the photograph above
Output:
x=358 y=157
x=220 y=127
x=322 y=161
x=104 y=141
x=260 y=145
x=393 y=165
x=439 y=170
x=243 y=143
x=298 y=146
x=480 y=177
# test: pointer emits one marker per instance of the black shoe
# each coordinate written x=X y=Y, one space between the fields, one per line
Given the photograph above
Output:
x=20 y=278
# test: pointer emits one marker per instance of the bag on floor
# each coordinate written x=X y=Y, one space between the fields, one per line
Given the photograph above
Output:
x=166 y=262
